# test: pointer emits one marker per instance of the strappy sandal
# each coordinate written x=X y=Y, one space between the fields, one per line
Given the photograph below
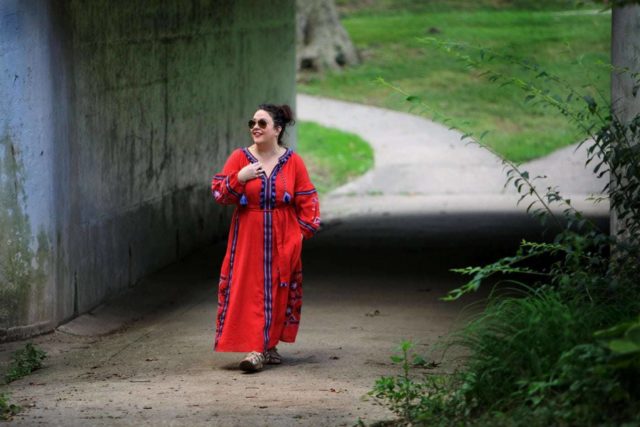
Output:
x=252 y=362
x=272 y=356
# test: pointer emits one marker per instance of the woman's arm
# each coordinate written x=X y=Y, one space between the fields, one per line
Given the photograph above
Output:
x=306 y=201
x=226 y=188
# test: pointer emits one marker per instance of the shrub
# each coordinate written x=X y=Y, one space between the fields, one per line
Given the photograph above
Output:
x=566 y=350
x=7 y=409
x=24 y=361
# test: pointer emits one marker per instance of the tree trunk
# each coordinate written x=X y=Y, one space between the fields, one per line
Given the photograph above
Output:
x=322 y=42
x=625 y=54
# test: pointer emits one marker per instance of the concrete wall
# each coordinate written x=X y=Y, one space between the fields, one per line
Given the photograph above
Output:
x=27 y=145
x=119 y=115
x=625 y=54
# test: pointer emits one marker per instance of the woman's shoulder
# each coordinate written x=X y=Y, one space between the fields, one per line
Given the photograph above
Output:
x=295 y=157
x=238 y=154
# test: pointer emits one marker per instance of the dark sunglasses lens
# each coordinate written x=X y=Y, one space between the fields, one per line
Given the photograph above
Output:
x=262 y=123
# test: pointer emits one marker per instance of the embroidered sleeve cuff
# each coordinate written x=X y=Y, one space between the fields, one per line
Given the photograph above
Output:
x=308 y=230
x=234 y=186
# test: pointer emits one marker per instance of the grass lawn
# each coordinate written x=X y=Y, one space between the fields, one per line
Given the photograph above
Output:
x=332 y=157
x=566 y=44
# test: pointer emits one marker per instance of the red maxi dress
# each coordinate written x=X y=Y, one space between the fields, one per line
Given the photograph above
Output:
x=260 y=288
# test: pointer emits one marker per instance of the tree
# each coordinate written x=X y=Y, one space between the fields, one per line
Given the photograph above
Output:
x=322 y=42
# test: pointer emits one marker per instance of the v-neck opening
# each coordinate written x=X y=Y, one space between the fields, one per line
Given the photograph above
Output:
x=254 y=159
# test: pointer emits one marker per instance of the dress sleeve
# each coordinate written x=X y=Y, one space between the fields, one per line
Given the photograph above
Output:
x=306 y=201
x=225 y=187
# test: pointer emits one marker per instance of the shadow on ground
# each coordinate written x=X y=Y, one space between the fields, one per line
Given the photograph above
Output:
x=369 y=283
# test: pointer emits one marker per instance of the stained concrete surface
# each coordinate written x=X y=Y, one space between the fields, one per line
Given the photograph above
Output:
x=119 y=113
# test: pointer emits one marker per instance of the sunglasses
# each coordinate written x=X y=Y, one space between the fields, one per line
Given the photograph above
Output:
x=262 y=123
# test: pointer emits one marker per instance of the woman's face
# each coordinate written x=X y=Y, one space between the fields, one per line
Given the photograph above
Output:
x=267 y=134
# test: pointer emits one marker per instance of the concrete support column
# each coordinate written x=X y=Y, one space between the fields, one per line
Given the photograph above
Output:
x=32 y=124
x=625 y=54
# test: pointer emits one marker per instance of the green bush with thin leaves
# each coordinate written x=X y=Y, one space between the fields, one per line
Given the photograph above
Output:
x=565 y=350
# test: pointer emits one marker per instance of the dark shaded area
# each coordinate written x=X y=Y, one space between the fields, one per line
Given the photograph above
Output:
x=412 y=254
x=416 y=248
x=442 y=241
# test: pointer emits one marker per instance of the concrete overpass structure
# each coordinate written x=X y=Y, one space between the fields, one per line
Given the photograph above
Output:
x=113 y=117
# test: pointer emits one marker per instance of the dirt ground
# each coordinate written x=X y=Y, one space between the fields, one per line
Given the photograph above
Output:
x=362 y=297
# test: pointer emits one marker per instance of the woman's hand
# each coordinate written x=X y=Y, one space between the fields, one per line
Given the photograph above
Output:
x=249 y=172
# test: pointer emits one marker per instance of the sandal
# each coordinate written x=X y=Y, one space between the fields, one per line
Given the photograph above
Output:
x=252 y=362
x=272 y=356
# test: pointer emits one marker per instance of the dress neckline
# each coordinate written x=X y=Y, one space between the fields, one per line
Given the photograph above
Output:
x=254 y=159
x=281 y=160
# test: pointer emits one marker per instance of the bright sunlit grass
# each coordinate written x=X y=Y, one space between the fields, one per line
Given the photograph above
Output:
x=333 y=157
x=567 y=44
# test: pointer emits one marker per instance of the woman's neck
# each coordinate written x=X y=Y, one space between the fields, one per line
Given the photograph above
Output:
x=267 y=150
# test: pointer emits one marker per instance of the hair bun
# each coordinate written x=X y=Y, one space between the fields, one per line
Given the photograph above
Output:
x=281 y=115
x=287 y=114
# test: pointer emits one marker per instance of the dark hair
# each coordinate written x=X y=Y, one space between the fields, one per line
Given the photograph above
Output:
x=281 y=115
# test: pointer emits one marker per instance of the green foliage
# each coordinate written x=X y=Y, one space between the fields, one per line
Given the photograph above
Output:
x=333 y=157
x=538 y=351
x=623 y=340
x=406 y=394
x=566 y=350
x=580 y=249
x=562 y=43
x=532 y=362
x=7 y=409
x=24 y=361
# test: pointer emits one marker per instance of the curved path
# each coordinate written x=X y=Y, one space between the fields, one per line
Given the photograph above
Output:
x=423 y=167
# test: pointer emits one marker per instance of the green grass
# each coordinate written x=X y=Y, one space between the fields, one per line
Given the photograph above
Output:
x=567 y=45
x=368 y=7
x=332 y=157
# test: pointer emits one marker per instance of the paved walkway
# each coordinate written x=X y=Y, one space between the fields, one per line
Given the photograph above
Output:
x=423 y=167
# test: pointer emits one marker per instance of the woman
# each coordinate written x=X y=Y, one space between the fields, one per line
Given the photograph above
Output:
x=260 y=293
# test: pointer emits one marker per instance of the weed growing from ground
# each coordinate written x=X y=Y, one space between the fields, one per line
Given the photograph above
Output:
x=7 y=409
x=24 y=361
x=409 y=395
